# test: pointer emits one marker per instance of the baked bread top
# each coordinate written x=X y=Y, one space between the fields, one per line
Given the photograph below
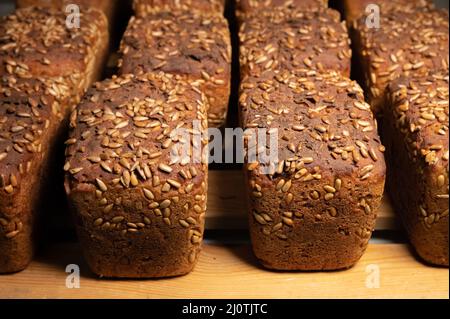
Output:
x=420 y=105
x=255 y=6
x=36 y=42
x=29 y=109
x=145 y=7
x=182 y=43
x=104 y=5
x=123 y=134
x=287 y=39
x=356 y=9
x=325 y=128
x=407 y=43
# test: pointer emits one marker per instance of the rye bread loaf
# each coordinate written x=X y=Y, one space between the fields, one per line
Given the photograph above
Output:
x=144 y=7
x=108 y=7
x=354 y=9
x=416 y=133
x=288 y=39
x=408 y=43
x=192 y=45
x=31 y=120
x=316 y=207
x=139 y=211
x=246 y=7
x=35 y=42
x=44 y=70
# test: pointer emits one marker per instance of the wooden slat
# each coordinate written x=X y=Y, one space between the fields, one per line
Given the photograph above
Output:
x=227 y=205
x=232 y=272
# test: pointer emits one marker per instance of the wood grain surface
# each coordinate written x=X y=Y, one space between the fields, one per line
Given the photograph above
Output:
x=232 y=272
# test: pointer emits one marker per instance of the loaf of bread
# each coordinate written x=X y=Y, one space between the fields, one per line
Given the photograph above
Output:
x=316 y=207
x=145 y=7
x=36 y=43
x=407 y=43
x=289 y=39
x=192 y=45
x=416 y=131
x=107 y=6
x=31 y=113
x=245 y=7
x=139 y=209
x=44 y=69
x=354 y=9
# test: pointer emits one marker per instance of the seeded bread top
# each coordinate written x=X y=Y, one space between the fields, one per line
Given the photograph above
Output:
x=103 y=5
x=179 y=43
x=355 y=9
x=406 y=43
x=36 y=42
x=421 y=108
x=255 y=6
x=323 y=123
x=29 y=111
x=123 y=134
x=145 y=7
x=286 y=39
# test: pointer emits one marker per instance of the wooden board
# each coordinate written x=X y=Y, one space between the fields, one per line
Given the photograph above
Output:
x=227 y=205
x=232 y=272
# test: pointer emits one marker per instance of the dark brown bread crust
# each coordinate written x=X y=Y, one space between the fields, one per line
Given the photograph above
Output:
x=40 y=82
x=354 y=9
x=286 y=39
x=35 y=42
x=318 y=209
x=31 y=113
x=188 y=44
x=407 y=43
x=256 y=6
x=138 y=213
x=106 y=6
x=145 y=7
x=417 y=137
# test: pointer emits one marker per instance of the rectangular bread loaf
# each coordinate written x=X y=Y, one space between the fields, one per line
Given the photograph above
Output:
x=315 y=209
x=107 y=6
x=288 y=39
x=44 y=69
x=145 y=7
x=245 y=7
x=417 y=139
x=31 y=120
x=407 y=43
x=192 y=45
x=36 y=42
x=139 y=210
x=354 y=9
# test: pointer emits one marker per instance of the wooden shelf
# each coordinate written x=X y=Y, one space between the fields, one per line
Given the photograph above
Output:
x=230 y=271
x=227 y=209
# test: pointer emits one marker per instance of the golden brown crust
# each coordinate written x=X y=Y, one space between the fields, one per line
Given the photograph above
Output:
x=318 y=208
x=145 y=7
x=139 y=213
x=188 y=44
x=286 y=39
x=417 y=129
x=354 y=9
x=44 y=70
x=407 y=43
